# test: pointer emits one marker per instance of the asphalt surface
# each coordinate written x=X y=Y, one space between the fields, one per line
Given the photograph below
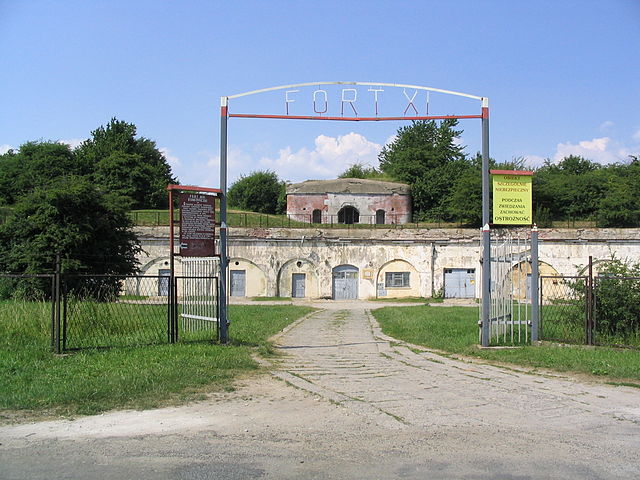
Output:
x=346 y=402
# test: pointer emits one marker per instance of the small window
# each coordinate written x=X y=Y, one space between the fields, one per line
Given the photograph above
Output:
x=396 y=279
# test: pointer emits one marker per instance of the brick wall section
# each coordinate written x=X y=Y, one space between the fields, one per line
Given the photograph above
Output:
x=397 y=207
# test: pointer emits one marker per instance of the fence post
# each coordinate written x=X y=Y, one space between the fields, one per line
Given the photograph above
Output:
x=535 y=275
x=56 y=296
x=589 y=320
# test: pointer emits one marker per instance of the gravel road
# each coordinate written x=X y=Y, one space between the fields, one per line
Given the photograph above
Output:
x=346 y=402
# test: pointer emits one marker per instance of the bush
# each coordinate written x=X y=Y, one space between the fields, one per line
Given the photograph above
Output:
x=617 y=300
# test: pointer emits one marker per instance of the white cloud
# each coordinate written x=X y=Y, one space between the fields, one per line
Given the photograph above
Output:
x=606 y=125
x=636 y=135
x=173 y=161
x=330 y=157
x=600 y=150
x=5 y=148
x=391 y=139
x=73 y=142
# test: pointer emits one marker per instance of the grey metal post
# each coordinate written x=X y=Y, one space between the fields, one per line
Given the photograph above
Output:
x=535 y=286
x=486 y=233
x=57 y=297
x=223 y=316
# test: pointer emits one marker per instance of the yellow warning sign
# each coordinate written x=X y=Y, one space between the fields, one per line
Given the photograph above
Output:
x=512 y=197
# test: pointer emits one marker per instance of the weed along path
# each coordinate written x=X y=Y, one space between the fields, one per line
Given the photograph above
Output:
x=343 y=401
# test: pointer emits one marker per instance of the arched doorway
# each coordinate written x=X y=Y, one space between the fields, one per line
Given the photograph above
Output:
x=380 y=217
x=345 y=282
x=348 y=215
x=316 y=216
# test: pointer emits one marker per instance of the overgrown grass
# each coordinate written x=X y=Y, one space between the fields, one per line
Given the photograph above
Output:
x=455 y=330
x=94 y=380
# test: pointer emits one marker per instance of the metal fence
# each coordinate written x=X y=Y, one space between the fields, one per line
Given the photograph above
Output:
x=26 y=309
x=510 y=299
x=590 y=310
x=616 y=311
x=263 y=220
x=103 y=311
x=563 y=309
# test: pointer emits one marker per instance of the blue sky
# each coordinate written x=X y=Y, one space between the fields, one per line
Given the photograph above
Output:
x=563 y=77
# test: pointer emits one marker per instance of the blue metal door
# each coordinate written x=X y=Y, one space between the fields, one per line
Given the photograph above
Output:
x=345 y=282
x=163 y=282
x=297 y=285
x=459 y=283
x=238 y=283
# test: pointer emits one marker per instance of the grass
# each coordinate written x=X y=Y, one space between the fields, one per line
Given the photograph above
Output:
x=241 y=218
x=455 y=330
x=90 y=381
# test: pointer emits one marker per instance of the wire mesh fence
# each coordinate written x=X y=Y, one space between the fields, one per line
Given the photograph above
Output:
x=27 y=313
x=563 y=309
x=599 y=310
x=616 y=310
x=101 y=311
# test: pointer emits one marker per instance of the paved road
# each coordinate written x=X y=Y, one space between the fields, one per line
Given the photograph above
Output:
x=353 y=404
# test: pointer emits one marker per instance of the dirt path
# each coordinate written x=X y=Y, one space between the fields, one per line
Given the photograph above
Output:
x=353 y=404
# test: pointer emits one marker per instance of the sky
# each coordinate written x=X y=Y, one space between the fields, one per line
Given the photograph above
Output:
x=562 y=77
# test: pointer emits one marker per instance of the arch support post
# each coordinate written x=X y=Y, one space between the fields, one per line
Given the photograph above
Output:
x=223 y=301
x=486 y=232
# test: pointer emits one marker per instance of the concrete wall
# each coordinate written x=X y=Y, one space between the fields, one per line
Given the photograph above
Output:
x=271 y=256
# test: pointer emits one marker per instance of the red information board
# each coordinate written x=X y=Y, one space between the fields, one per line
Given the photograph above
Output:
x=197 y=225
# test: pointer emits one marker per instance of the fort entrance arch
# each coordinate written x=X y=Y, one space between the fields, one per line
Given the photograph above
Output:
x=353 y=102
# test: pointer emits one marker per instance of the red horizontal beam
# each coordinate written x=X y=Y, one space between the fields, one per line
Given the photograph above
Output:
x=510 y=172
x=192 y=188
x=352 y=119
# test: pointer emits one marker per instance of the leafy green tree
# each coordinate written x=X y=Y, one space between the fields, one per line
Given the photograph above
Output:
x=464 y=203
x=131 y=167
x=35 y=164
x=71 y=217
x=620 y=203
x=360 y=170
x=572 y=189
x=427 y=157
x=260 y=191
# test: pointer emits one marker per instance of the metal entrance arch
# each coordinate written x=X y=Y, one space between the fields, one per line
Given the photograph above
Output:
x=320 y=114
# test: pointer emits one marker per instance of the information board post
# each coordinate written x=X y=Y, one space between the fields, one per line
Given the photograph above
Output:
x=197 y=237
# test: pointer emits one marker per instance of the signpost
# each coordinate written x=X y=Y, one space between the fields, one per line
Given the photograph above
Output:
x=197 y=236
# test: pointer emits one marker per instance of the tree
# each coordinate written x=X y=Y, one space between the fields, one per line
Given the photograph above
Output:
x=132 y=168
x=464 y=203
x=360 y=170
x=260 y=191
x=572 y=189
x=35 y=164
x=427 y=157
x=70 y=217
